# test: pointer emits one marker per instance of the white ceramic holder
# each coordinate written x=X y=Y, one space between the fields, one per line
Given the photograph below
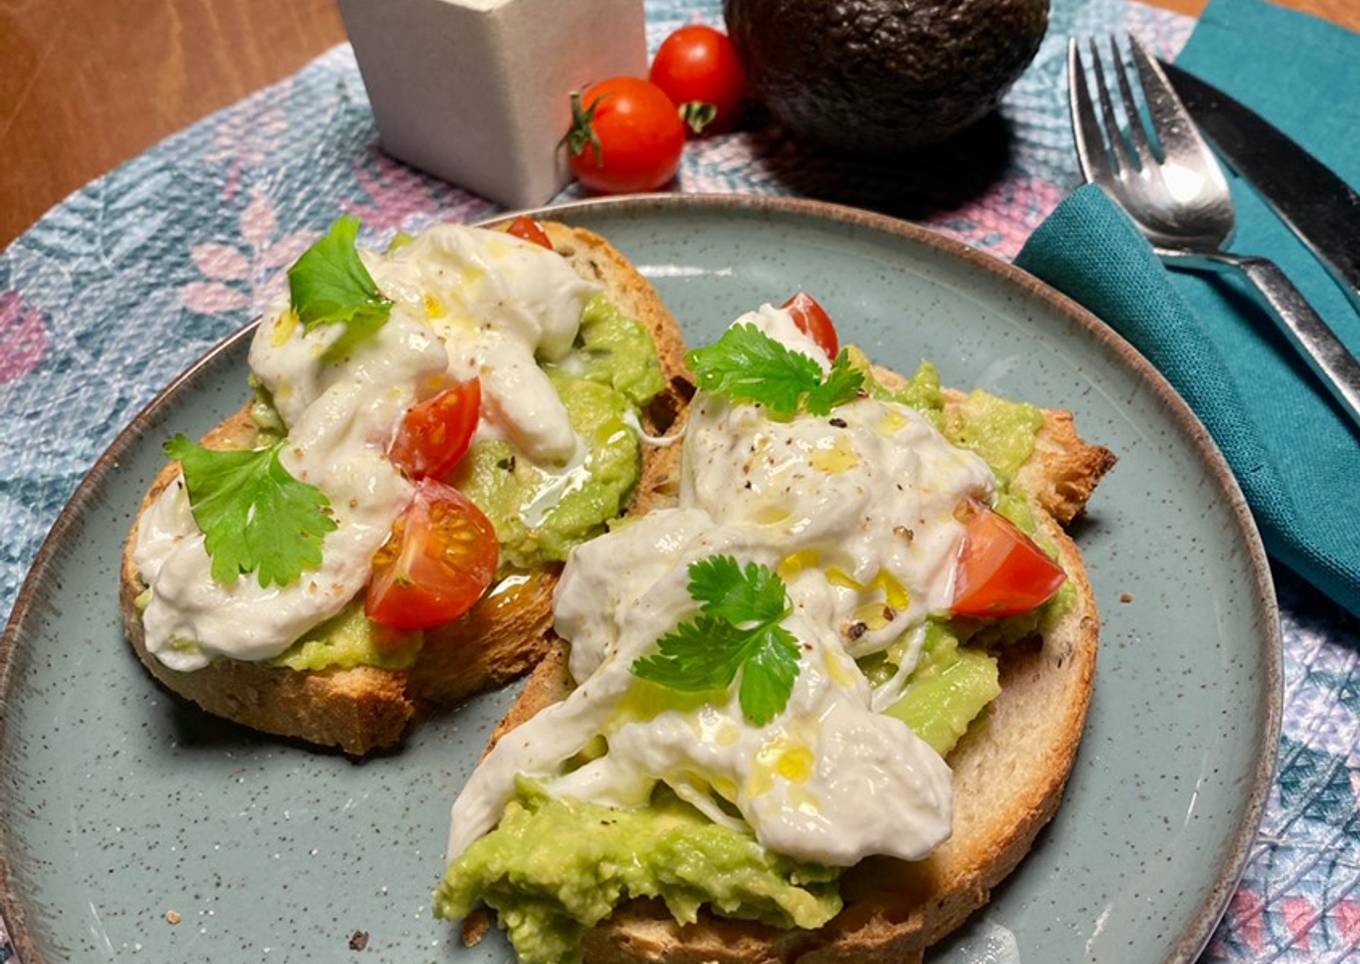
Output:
x=477 y=91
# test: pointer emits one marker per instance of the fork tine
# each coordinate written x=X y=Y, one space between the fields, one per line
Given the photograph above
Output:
x=1175 y=129
x=1095 y=163
x=1131 y=112
x=1118 y=147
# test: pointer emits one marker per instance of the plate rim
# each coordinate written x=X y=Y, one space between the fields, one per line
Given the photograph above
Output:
x=1193 y=938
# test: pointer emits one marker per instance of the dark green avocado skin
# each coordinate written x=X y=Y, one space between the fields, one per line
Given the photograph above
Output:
x=882 y=75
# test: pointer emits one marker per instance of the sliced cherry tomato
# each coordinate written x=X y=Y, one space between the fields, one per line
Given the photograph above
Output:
x=437 y=562
x=813 y=321
x=625 y=136
x=435 y=433
x=699 y=70
x=530 y=230
x=1001 y=571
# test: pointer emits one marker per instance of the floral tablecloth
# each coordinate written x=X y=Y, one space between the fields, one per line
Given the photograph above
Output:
x=185 y=242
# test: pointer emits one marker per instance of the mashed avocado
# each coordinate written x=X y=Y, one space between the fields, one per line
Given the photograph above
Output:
x=548 y=896
x=349 y=639
x=922 y=391
x=947 y=690
x=541 y=516
x=269 y=427
x=1000 y=431
x=614 y=350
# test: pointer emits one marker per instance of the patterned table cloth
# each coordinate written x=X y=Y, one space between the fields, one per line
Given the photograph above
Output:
x=184 y=243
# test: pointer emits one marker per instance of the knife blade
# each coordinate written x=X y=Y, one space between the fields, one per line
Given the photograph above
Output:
x=1319 y=207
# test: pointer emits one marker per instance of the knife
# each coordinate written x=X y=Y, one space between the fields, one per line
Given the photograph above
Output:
x=1312 y=201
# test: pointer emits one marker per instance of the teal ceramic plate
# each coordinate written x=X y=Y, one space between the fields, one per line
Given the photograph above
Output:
x=119 y=802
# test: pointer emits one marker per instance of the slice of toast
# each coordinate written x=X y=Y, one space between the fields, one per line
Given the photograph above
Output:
x=501 y=638
x=1009 y=772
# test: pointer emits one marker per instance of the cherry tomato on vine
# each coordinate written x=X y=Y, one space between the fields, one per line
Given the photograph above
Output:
x=435 y=433
x=527 y=229
x=699 y=70
x=1001 y=570
x=436 y=563
x=813 y=321
x=625 y=136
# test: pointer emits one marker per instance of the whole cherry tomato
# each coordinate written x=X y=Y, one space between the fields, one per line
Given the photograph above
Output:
x=436 y=433
x=527 y=229
x=436 y=563
x=813 y=321
x=1001 y=571
x=625 y=136
x=699 y=70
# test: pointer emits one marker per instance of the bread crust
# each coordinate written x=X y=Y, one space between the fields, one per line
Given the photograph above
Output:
x=1010 y=769
x=501 y=638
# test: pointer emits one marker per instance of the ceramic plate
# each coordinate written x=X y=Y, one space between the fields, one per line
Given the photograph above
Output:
x=119 y=802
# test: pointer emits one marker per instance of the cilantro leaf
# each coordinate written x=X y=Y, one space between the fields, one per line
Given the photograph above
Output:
x=329 y=285
x=842 y=384
x=255 y=517
x=737 y=596
x=747 y=365
x=767 y=678
x=736 y=631
x=692 y=657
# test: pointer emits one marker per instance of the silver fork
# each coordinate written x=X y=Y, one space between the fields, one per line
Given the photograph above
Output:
x=1175 y=192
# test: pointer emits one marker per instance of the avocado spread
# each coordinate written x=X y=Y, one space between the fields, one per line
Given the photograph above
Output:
x=541 y=516
x=1000 y=431
x=349 y=639
x=553 y=868
x=948 y=688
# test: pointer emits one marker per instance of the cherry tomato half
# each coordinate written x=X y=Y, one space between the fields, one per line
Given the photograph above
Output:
x=437 y=562
x=813 y=321
x=625 y=136
x=1001 y=571
x=699 y=70
x=435 y=433
x=527 y=229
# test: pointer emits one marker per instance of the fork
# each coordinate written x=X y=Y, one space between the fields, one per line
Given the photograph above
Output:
x=1173 y=189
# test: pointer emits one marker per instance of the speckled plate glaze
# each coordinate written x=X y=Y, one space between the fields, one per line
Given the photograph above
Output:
x=119 y=802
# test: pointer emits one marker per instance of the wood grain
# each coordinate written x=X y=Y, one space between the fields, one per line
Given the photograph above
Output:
x=86 y=84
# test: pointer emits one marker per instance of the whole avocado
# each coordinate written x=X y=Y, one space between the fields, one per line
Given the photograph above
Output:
x=881 y=75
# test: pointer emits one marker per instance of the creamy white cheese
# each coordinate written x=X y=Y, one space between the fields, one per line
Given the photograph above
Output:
x=465 y=302
x=866 y=495
x=501 y=304
x=856 y=512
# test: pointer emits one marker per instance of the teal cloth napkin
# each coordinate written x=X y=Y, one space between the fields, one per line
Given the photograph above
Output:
x=1295 y=455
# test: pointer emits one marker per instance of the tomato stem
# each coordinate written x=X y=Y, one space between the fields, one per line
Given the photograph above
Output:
x=582 y=132
x=698 y=114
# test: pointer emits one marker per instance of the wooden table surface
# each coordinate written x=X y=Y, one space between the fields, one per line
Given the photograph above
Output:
x=86 y=84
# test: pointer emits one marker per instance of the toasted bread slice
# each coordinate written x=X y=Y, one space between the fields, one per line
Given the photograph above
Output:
x=1009 y=772
x=501 y=638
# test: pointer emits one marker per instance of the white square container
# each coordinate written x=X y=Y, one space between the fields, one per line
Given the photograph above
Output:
x=477 y=91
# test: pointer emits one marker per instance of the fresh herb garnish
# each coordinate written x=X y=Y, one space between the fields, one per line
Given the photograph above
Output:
x=736 y=630
x=329 y=285
x=747 y=365
x=255 y=517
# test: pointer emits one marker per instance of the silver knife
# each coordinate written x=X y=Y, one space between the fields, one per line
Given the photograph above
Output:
x=1312 y=201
